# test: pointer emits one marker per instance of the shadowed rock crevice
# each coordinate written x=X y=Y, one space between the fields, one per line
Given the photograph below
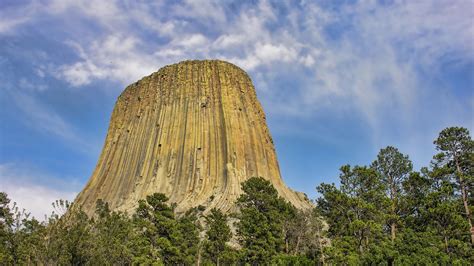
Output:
x=193 y=131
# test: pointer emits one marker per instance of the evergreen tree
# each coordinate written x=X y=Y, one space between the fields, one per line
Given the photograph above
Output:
x=306 y=235
x=457 y=156
x=187 y=238
x=355 y=217
x=113 y=234
x=69 y=236
x=393 y=168
x=217 y=235
x=8 y=247
x=445 y=215
x=413 y=208
x=420 y=242
x=164 y=238
x=262 y=217
x=21 y=237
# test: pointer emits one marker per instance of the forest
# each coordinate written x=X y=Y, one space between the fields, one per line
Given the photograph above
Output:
x=385 y=213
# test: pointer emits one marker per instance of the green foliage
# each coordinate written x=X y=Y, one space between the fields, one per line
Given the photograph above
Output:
x=165 y=238
x=217 y=235
x=384 y=214
x=430 y=210
x=455 y=165
x=355 y=215
x=393 y=168
x=20 y=236
x=7 y=248
x=296 y=260
x=69 y=236
x=113 y=235
x=262 y=219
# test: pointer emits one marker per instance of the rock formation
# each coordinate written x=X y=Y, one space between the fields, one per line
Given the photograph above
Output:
x=193 y=131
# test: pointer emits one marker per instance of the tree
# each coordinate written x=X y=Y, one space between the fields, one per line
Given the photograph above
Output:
x=413 y=207
x=306 y=235
x=187 y=238
x=69 y=235
x=113 y=234
x=165 y=238
x=445 y=215
x=383 y=214
x=262 y=217
x=393 y=168
x=355 y=217
x=21 y=237
x=457 y=156
x=217 y=235
x=7 y=245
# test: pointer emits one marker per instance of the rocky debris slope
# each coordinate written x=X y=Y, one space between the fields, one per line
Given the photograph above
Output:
x=193 y=131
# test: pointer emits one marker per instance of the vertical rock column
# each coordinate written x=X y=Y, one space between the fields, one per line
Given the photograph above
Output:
x=193 y=131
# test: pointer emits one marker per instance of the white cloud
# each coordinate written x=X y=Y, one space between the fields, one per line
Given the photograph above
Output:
x=107 y=13
x=307 y=60
x=357 y=58
x=40 y=73
x=79 y=73
x=372 y=60
x=192 y=41
x=228 y=40
x=23 y=187
x=114 y=58
x=268 y=53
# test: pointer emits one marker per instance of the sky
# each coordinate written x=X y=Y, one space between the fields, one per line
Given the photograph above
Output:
x=338 y=80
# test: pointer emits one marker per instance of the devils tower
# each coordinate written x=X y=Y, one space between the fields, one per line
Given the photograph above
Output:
x=193 y=131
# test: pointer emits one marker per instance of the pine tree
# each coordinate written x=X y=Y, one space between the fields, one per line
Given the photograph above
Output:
x=21 y=236
x=445 y=214
x=262 y=217
x=306 y=235
x=217 y=235
x=393 y=168
x=355 y=217
x=69 y=236
x=165 y=238
x=187 y=239
x=112 y=232
x=8 y=246
x=457 y=155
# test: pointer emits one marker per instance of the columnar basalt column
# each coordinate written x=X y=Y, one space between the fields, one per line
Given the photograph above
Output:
x=193 y=131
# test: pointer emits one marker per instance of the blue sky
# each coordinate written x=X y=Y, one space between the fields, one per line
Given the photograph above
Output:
x=339 y=80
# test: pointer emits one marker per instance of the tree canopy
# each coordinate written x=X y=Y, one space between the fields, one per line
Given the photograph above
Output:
x=380 y=214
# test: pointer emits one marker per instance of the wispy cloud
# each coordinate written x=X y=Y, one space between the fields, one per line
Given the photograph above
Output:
x=40 y=118
x=347 y=58
x=8 y=24
x=11 y=17
x=116 y=58
x=377 y=61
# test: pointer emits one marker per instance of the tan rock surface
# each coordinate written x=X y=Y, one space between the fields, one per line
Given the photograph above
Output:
x=193 y=131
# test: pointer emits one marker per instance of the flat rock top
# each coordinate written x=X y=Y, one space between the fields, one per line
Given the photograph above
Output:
x=193 y=130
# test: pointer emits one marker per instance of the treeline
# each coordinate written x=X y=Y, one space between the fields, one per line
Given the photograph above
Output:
x=381 y=214
x=267 y=230
x=386 y=213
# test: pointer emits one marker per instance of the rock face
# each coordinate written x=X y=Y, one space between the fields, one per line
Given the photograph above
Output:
x=193 y=131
